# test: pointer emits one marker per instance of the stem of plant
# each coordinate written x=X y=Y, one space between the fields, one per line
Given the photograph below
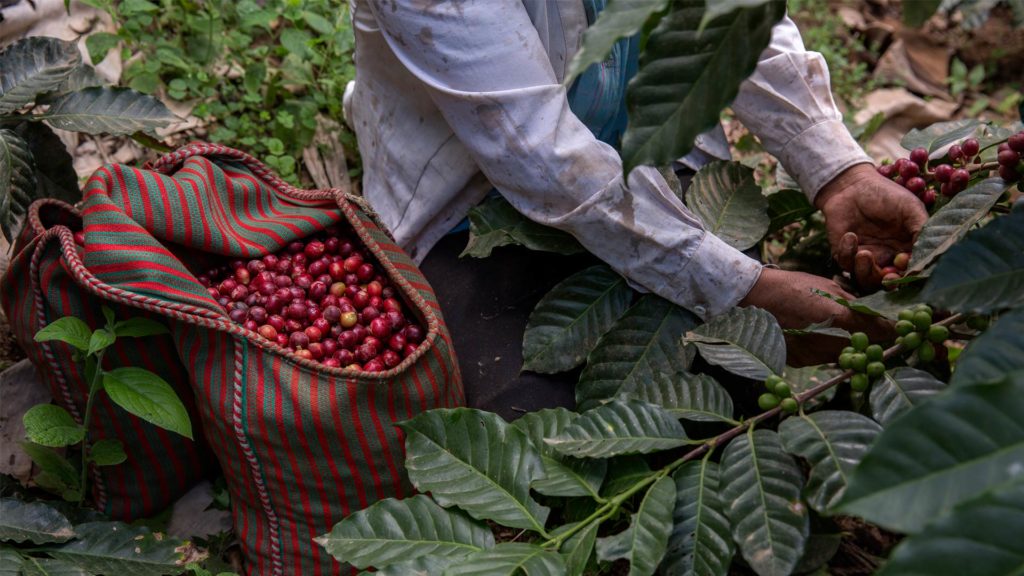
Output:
x=94 y=388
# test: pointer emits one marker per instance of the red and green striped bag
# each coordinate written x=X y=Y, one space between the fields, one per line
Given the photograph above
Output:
x=301 y=445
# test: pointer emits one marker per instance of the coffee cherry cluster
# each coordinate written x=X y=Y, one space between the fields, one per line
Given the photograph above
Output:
x=778 y=394
x=1011 y=158
x=917 y=334
x=322 y=299
x=948 y=179
x=895 y=270
x=865 y=359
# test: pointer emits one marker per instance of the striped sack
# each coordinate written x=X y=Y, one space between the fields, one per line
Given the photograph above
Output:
x=301 y=445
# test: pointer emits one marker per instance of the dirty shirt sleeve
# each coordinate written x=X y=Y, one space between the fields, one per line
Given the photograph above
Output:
x=787 y=102
x=487 y=71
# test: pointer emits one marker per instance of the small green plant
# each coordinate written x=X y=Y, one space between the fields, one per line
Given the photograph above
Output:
x=140 y=392
x=962 y=79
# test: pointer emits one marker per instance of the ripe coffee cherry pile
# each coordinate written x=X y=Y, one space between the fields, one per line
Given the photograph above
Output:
x=1011 y=158
x=322 y=299
x=948 y=179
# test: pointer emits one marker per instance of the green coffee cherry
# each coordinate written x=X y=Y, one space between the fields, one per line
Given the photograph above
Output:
x=859 y=340
x=912 y=341
x=845 y=360
x=782 y=390
x=859 y=363
x=924 y=308
x=904 y=327
x=767 y=401
x=906 y=314
x=875 y=369
x=874 y=353
x=848 y=350
x=789 y=405
x=926 y=353
x=859 y=382
x=772 y=381
x=937 y=333
x=922 y=320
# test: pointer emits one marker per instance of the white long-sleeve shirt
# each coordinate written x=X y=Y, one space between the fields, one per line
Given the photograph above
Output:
x=453 y=98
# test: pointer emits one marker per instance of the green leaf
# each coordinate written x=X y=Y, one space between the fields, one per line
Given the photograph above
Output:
x=947 y=226
x=918 y=12
x=57 y=473
x=34 y=566
x=11 y=562
x=689 y=396
x=687 y=77
x=53 y=426
x=940 y=135
x=769 y=521
x=67 y=329
x=17 y=181
x=100 y=340
x=495 y=223
x=641 y=344
x=33 y=522
x=99 y=44
x=296 y=41
x=624 y=473
x=824 y=328
x=317 y=22
x=563 y=475
x=888 y=304
x=646 y=539
x=59 y=179
x=807 y=377
x=980 y=537
x=855 y=305
x=832 y=442
x=108 y=452
x=997 y=352
x=569 y=320
x=700 y=542
x=943 y=452
x=510 y=559
x=984 y=272
x=393 y=531
x=32 y=66
x=578 y=549
x=118 y=548
x=620 y=427
x=619 y=19
x=899 y=390
x=101 y=110
x=478 y=462
x=787 y=206
x=108 y=315
x=729 y=203
x=149 y=397
x=139 y=328
x=745 y=341
x=83 y=76
x=422 y=566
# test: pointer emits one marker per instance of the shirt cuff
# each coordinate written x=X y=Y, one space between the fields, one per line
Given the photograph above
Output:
x=817 y=155
x=719 y=277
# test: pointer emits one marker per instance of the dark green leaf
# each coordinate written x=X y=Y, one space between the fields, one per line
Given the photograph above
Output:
x=422 y=566
x=578 y=549
x=787 y=206
x=67 y=329
x=687 y=77
x=149 y=397
x=57 y=473
x=744 y=341
x=58 y=178
x=563 y=475
x=100 y=340
x=118 y=111
x=34 y=566
x=477 y=461
x=620 y=427
x=769 y=521
x=53 y=426
x=939 y=135
x=822 y=545
x=619 y=19
x=729 y=203
x=17 y=181
x=569 y=320
x=83 y=76
x=296 y=41
x=980 y=537
x=118 y=548
x=496 y=223
x=943 y=452
x=108 y=315
x=997 y=352
x=900 y=390
x=718 y=8
x=510 y=559
x=10 y=562
x=32 y=66
x=701 y=543
x=888 y=304
x=832 y=442
x=818 y=329
x=99 y=44
x=689 y=396
x=803 y=379
x=856 y=305
x=917 y=12
x=984 y=272
x=644 y=542
x=641 y=344
x=947 y=226
x=33 y=522
x=139 y=327
x=107 y=452
x=624 y=472
x=393 y=531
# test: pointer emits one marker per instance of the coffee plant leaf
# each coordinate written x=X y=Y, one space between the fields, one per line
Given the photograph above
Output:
x=496 y=223
x=646 y=539
x=103 y=110
x=983 y=273
x=67 y=329
x=620 y=427
x=855 y=305
x=787 y=206
x=723 y=7
x=10 y=562
x=939 y=135
x=443 y=457
x=563 y=475
x=980 y=537
x=641 y=344
x=509 y=559
x=17 y=181
x=997 y=352
x=745 y=341
x=832 y=442
x=36 y=566
x=578 y=549
x=392 y=531
x=59 y=179
x=56 y=473
x=624 y=472
x=51 y=425
x=945 y=451
x=148 y=396
x=947 y=226
x=82 y=77
x=33 y=522
x=889 y=304
x=697 y=397
x=822 y=545
x=899 y=390
x=119 y=548
x=107 y=452
x=824 y=328
x=729 y=203
x=770 y=523
x=422 y=566
x=807 y=377
x=918 y=12
x=570 y=319
x=687 y=77
x=701 y=542
x=619 y=19
x=139 y=328
x=33 y=66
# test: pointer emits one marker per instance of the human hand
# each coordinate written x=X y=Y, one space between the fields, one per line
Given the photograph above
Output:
x=869 y=219
x=789 y=297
